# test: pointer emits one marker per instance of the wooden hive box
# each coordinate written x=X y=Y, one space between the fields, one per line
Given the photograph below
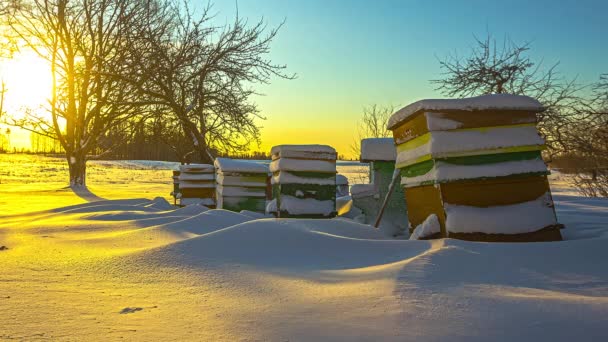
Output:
x=476 y=164
x=241 y=185
x=380 y=154
x=304 y=180
x=197 y=184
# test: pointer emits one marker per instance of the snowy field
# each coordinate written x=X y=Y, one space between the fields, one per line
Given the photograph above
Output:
x=119 y=262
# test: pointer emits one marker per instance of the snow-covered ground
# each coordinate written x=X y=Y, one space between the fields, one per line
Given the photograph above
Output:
x=115 y=263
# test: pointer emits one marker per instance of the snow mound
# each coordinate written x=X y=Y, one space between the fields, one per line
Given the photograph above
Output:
x=288 y=245
x=427 y=228
x=103 y=207
x=160 y=204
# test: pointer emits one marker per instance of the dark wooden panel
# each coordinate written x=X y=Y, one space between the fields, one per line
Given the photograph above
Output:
x=495 y=191
x=423 y=201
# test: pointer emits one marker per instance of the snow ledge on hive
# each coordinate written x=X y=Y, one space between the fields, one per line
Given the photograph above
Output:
x=483 y=102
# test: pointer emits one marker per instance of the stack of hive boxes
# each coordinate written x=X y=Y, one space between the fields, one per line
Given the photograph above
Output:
x=197 y=185
x=304 y=180
x=476 y=165
x=380 y=153
x=241 y=185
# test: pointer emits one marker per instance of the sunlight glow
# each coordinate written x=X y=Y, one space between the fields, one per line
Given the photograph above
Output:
x=28 y=82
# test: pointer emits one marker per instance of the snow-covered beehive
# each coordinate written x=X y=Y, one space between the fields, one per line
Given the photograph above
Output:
x=241 y=185
x=342 y=188
x=380 y=153
x=197 y=184
x=476 y=164
x=304 y=180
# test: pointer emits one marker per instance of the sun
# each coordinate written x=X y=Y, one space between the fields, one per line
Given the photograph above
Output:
x=28 y=81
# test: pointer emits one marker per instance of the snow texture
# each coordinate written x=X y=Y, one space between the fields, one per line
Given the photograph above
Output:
x=518 y=218
x=73 y=264
x=304 y=152
x=378 y=149
x=303 y=165
x=503 y=102
x=197 y=168
x=306 y=206
x=233 y=165
x=427 y=228
x=459 y=143
x=341 y=180
x=443 y=172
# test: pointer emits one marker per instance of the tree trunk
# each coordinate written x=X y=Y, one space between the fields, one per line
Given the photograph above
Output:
x=78 y=170
x=204 y=155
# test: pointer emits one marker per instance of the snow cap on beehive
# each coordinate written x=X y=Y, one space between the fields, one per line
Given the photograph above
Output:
x=197 y=168
x=236 y=166
x=498 y=102
x=378 y=149
x=304 y=152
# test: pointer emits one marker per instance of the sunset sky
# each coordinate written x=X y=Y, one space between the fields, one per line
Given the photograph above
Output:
x=350 y=54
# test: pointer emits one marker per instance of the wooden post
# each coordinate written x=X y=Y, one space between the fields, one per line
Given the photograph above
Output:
x=391 y=188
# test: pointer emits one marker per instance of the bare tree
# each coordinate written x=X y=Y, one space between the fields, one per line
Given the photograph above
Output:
x=202 y=74
x=493 y=68
x=372 y=124
x=87 y=45
x=589 y=136
x=171 y=133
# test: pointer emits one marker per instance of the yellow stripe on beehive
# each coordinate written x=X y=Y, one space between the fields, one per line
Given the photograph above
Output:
x=425 y=138
x=526 y=148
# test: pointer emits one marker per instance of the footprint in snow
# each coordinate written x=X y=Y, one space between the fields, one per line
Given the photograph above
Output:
x=128 y=310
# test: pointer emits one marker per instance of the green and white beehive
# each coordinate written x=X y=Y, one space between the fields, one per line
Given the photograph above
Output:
x=241 y=185
x=304 y=180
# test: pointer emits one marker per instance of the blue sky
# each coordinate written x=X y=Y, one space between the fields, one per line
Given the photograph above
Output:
x=349 y=54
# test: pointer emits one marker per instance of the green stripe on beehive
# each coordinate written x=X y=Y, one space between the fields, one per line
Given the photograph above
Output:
x=244 y=203
x=417 y=169
x=422 y=168
x=319 y=192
